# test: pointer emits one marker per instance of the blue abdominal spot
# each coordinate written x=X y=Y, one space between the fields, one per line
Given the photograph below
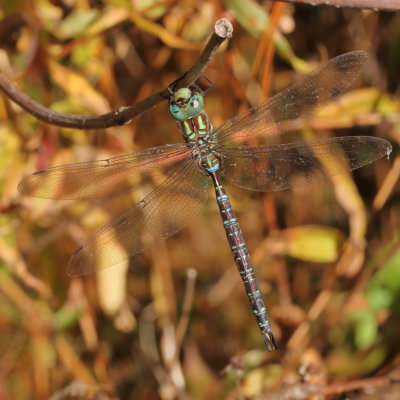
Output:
x=213 y=169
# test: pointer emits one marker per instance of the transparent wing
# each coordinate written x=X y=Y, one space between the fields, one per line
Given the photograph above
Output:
x=103 y=178
x=278 y=167
x=165 y=211
x=294 y=106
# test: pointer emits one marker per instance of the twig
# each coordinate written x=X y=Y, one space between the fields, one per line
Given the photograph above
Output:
x=222 y=30
x=187 y=306
x=79 y=389
x=268 y=39
x=387 y=186
x=301 y=391
x=338 y=388
x=18 y=266
x=382 y=5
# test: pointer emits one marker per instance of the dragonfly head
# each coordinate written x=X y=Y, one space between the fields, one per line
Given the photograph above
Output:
x=185 y=104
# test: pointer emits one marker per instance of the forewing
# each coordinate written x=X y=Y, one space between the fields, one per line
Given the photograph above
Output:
x=294 y=106
x=165 y=211
x=278 y=167
x=103 y=178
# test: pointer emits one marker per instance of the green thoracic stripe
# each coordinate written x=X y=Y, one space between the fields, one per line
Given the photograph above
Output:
x=188 y=130
x=200 y=123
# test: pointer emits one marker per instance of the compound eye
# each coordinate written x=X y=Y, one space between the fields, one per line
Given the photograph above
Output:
x=196 y=104
x=185 y=104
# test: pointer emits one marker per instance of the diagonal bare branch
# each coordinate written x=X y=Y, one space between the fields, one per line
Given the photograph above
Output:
x=222 y=31
x=382 y=5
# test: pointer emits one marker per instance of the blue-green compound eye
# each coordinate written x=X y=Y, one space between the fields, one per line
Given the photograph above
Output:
x=184 y=104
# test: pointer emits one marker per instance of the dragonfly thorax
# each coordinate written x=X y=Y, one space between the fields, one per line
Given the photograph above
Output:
x=196 y=128
x=197 y=132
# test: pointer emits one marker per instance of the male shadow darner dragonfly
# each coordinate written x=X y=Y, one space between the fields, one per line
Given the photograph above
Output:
x=244 y=150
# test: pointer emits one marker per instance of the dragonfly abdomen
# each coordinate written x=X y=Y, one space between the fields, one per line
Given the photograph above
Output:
x=243 y=262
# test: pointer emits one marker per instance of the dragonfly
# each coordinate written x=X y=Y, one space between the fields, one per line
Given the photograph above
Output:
x=247 y=150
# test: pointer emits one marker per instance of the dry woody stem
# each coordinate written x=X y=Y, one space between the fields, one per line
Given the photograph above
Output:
x=381 y=5
x=222 y=31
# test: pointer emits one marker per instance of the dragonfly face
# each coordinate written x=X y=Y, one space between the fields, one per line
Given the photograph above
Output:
x=185 y=104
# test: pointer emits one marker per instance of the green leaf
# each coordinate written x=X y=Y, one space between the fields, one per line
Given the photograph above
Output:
x=384 y=288
x=366 y=328
x=379 y=298
x=250 y=15
x=313 y=243
x=65 y=317
x=76 y=23
x=389 y=275
x=255 y=19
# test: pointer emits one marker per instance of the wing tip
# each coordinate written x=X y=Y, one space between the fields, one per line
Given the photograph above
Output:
x=22 y=186
x=351 y=63
x=75 y=266
x=386 y=147
x=30 y=186
x=356 y=55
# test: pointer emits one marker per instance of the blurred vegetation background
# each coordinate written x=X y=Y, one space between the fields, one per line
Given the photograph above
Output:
x=174 y=322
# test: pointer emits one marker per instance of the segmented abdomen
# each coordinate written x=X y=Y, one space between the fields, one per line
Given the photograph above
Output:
x=243 y=262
